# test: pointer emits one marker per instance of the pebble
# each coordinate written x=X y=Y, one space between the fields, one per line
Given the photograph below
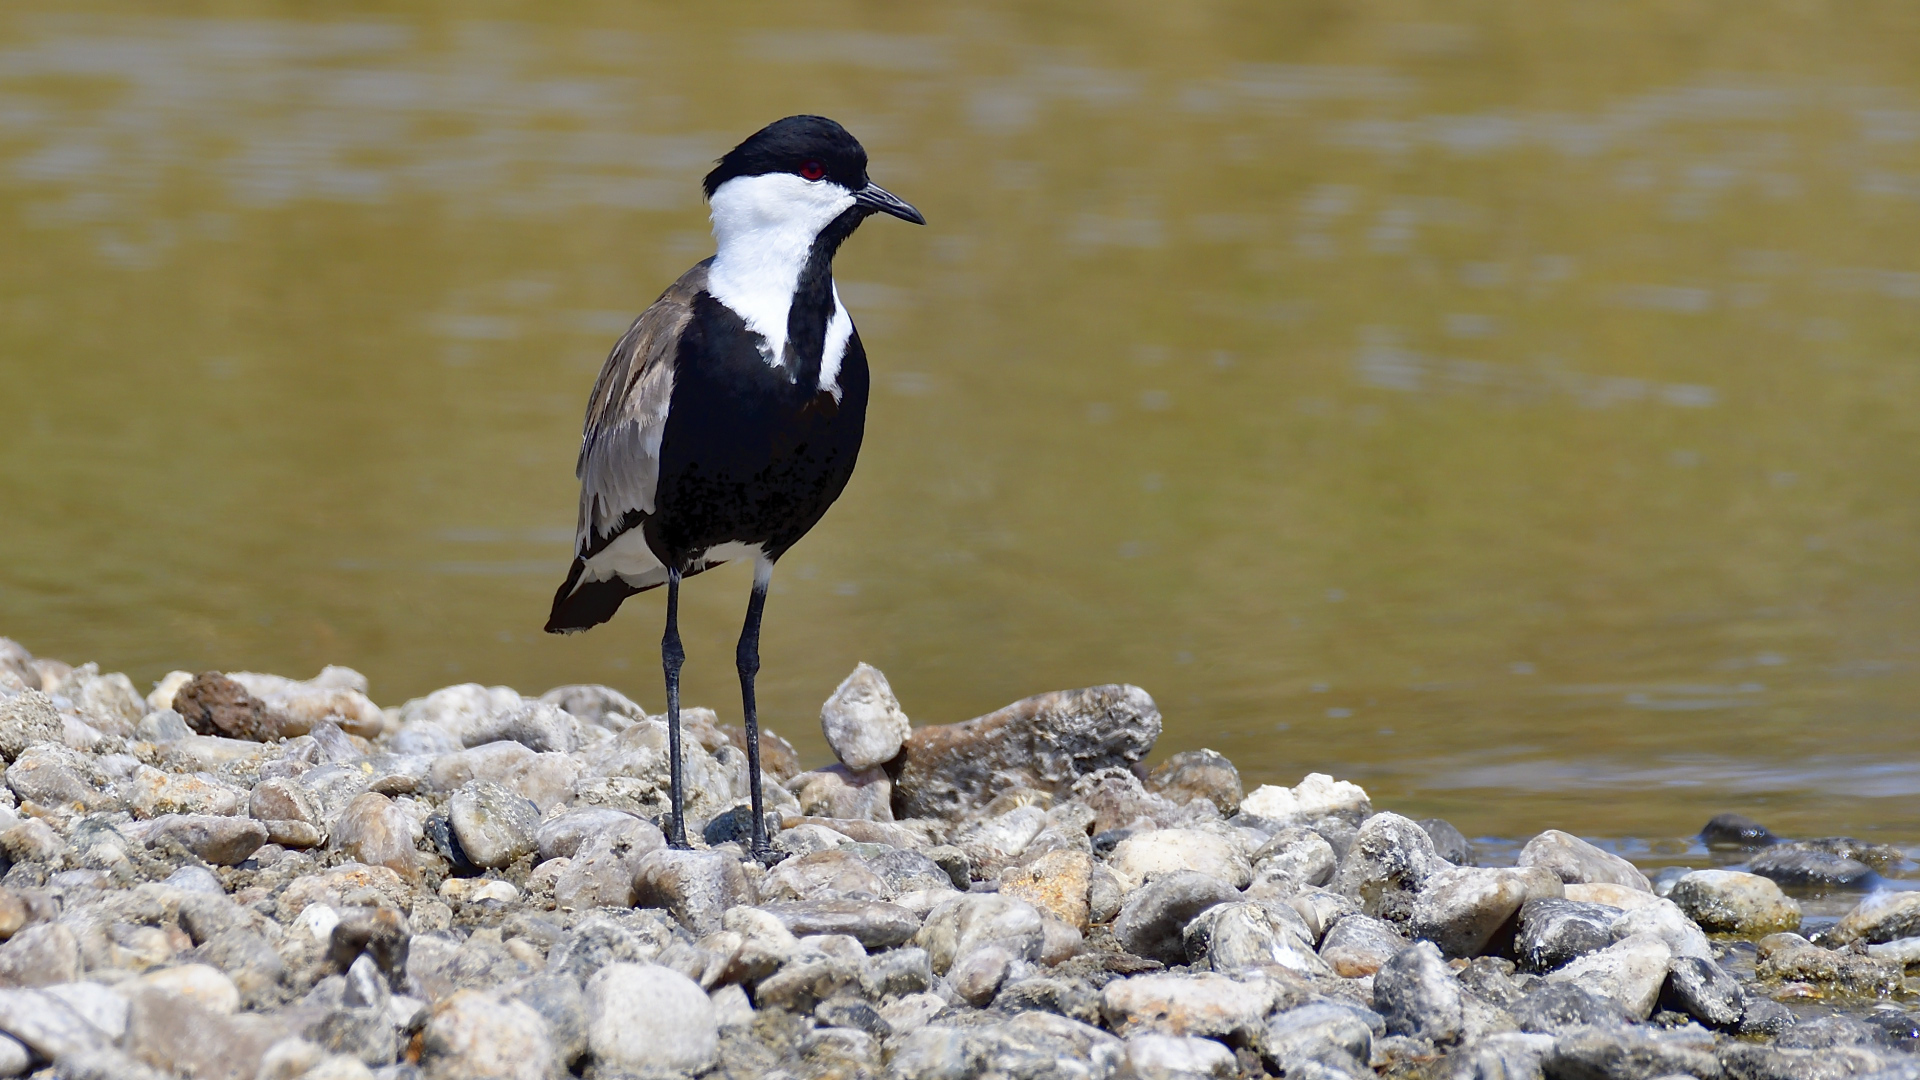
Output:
x=1703 y=990
x=565 y=834
x=603 y=873
x=1179 y=1057
x=697 y=887
x=1552 y=932
x=1807 y=864
x=1316 y=796
x=1037 y=887
x=873 y=923
x=1147 y=856
x=646 y=1017
x=840 y=792
x=1461 y=909
x=1631 y=972
x=1333 y=1034
x=1630 y=1052
x=971 y=921
x=1385 y=867
x=1154 y=917
x=1358 y=945
x=27 y=719
x=1793 y=958
x=1880 y=917
x=1045 y=743
x=495 y=826
x=1577 y=862
x=863 y=722
x=1198 y=774
x=1206 y=1004
x=1735 y=831
x=1554 y=1007
x=222 y=841
x=1731 y=902
x=476 y=1035
x=1248 y=939
x=1448 y=842
x=374 y=831
x=1417 y=995
x=1059 y=883
x=1290 y=860
x=205 y=986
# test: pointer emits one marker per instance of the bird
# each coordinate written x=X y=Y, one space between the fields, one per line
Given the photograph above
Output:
x=728 y=417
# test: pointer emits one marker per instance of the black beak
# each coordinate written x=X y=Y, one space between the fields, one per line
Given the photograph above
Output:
x=878 y=200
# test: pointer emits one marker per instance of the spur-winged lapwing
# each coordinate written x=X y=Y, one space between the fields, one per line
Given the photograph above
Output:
x=727 y=419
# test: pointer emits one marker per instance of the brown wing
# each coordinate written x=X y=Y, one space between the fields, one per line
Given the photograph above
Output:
x=619 y=465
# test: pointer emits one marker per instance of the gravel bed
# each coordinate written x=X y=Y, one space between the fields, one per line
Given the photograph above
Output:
x=246 y=876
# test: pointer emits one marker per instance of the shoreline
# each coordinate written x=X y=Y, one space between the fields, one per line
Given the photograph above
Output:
x=474 y=884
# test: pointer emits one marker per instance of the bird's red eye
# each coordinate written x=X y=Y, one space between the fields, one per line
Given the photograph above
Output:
x=812 y=170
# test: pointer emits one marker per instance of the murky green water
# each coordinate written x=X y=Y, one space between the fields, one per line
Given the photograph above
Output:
x=1511 y=407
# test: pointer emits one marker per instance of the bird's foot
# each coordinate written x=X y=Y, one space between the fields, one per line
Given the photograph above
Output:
x=766 y=855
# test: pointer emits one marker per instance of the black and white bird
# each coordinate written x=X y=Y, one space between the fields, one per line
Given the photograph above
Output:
x=728 y=417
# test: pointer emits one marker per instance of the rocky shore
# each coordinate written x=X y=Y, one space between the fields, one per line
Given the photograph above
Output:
x=245 y=876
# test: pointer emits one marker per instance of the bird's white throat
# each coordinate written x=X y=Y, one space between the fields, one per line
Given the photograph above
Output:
x=764 y=228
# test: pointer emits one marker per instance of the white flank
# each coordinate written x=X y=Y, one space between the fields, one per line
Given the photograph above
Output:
x=764 y=227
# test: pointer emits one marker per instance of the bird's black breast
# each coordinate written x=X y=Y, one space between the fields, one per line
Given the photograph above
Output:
x=751 y=452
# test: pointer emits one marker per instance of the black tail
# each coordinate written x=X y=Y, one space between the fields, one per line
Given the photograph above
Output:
x=577 y=607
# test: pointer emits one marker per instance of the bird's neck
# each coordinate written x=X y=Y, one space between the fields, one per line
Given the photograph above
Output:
x=774 y=268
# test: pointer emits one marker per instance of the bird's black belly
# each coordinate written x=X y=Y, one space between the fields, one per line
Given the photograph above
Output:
x=751 y=453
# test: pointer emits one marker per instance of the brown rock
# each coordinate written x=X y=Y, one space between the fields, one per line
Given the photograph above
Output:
x=1045 y=742
x=282 y=799
x=213 y=704
x=1118 y=799
x=14 y=912
x=696 y=887
x=1057 y=883
x=171 y=1032
x=1198 y=774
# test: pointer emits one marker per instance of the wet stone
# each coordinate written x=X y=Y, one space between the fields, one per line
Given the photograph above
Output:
x=1807 y=865
x=1792 y=958
x=1735 y=831
x=1880 y=917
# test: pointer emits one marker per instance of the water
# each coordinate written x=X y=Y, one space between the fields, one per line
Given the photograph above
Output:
x=1515 y=415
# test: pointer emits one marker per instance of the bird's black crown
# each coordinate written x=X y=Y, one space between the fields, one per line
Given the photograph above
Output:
x=791 y=146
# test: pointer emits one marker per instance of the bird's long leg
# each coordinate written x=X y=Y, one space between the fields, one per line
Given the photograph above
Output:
x=671 y=657
x=747 y=659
